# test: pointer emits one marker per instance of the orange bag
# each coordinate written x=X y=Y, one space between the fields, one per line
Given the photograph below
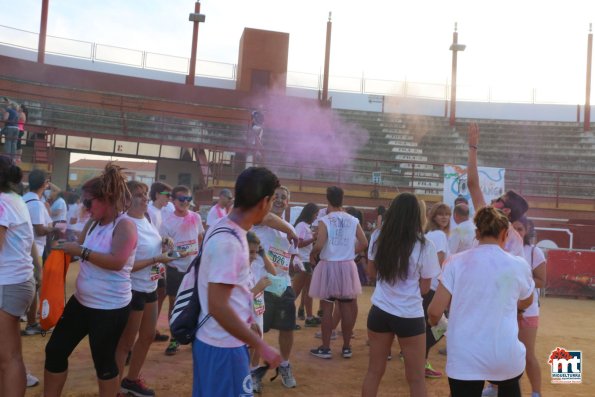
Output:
x=51 y=296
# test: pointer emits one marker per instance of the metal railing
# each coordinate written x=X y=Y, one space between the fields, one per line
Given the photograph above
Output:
x=96 y=52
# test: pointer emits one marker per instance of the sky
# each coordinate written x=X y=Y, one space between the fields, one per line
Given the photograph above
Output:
x=513 y=46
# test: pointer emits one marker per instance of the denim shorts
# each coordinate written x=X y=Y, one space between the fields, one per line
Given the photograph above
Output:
x=15 y=299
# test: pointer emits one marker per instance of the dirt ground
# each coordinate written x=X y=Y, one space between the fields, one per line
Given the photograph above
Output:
x=567 y=323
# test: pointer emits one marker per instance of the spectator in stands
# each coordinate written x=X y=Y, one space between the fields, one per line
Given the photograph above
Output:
x=463 y=234
x=484 y=279
x=23 y=112
x=42 y=227
x=405 y=263
x=19 y=257
x=185 y=228
x=221 y=209
x=160 y=195
x=11 y=129
x=99 y=307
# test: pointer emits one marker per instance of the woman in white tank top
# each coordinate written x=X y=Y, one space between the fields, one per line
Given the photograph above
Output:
x=99 y=307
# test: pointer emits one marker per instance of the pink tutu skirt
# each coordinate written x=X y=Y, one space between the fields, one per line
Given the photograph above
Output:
x=335 y=279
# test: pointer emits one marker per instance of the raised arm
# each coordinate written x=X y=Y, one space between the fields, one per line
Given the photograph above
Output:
x=472 y=172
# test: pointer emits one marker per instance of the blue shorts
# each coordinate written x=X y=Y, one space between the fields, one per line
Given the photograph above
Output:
x=220 y=371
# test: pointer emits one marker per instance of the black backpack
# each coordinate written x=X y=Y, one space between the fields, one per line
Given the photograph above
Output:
x=185 y=313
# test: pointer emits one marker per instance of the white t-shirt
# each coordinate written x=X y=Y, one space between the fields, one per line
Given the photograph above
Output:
x=39 y=216
x=148 y=246
x=277 y=248
x=321 y=214
x=340 y=244
x=513 y=244
x=16 y=264
x=73 y=212
x=372 y=245
x=59 y=210
x=100 y=288
x=538 y=259
x=184 y=231
x=403 y=298
x=225 y=260
x=462 y=237
x=156 y=215
x=485 y=283
x=215 y=213
x=438 y=237
x=304 y=232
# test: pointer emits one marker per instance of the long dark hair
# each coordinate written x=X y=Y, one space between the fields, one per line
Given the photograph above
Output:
x=308 y=214
x=400 y=232
x=10 y=174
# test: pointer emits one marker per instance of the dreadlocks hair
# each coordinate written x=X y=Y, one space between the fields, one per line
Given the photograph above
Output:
x=111 y=187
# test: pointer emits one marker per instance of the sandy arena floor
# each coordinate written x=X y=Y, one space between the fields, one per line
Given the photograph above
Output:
x=567 y=323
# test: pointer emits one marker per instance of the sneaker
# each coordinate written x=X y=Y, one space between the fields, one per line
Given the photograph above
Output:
x=173 y=348
x=136 y=388
x=34 y=329
x=490 y=391
x=318 y=335
x=159 y=337
x=431 y=372
x=321 y=352
x=312 y=322
x=287 y=377
x=301 y=314
x=346 y=352
x=32 y=380
x=257 y=376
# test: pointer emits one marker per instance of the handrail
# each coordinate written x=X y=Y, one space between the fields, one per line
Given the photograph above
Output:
x=382 y=86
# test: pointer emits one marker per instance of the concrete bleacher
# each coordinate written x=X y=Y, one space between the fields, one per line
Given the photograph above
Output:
x=404 y=142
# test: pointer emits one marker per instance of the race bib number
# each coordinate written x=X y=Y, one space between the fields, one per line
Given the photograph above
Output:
x=157 y=272
x=190 y=247
x=258 y=303
x=279 y=258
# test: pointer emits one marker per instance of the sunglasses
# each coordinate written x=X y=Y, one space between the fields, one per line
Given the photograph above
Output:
x=87 y=203
x=181 y=199
x=167 y=194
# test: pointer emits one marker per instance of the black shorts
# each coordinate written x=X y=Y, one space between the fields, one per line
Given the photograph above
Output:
x=279 y=312
x=161 y=283
x=174 y=279
x=381 y=321
x=140 y=298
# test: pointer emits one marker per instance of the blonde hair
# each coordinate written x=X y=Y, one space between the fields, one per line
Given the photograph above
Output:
x=490 y=222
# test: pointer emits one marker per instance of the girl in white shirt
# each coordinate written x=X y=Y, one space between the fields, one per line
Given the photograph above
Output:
x=17 y=285
x=405 y=262
x=485 y=287
x=146 y=271
x=335 y=276
x=100 y=305
x=437 y=231
x=529 y=319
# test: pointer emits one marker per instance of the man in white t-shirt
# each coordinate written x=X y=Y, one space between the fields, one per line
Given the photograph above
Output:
x=462 y=235
x=220 y=209
x=221 y=362
x=160 y=194
x=280 y=313
x=511 y=203
x=185 y=228
x=42 y=227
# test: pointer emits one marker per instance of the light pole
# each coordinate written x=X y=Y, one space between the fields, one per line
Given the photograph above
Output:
x=43 y=31
x=327 y=59
x=194 y=17
x=454 y=47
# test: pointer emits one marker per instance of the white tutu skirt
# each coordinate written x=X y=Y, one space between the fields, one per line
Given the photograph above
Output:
x=335 y=279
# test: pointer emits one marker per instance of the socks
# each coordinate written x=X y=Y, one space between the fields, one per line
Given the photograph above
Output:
x=284 y=363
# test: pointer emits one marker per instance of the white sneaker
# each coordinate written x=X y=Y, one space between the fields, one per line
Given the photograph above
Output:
x=490 y=391
x=32 y=380
x=287 y=377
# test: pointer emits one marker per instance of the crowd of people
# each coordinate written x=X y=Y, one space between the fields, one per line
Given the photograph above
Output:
x=260 y=273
